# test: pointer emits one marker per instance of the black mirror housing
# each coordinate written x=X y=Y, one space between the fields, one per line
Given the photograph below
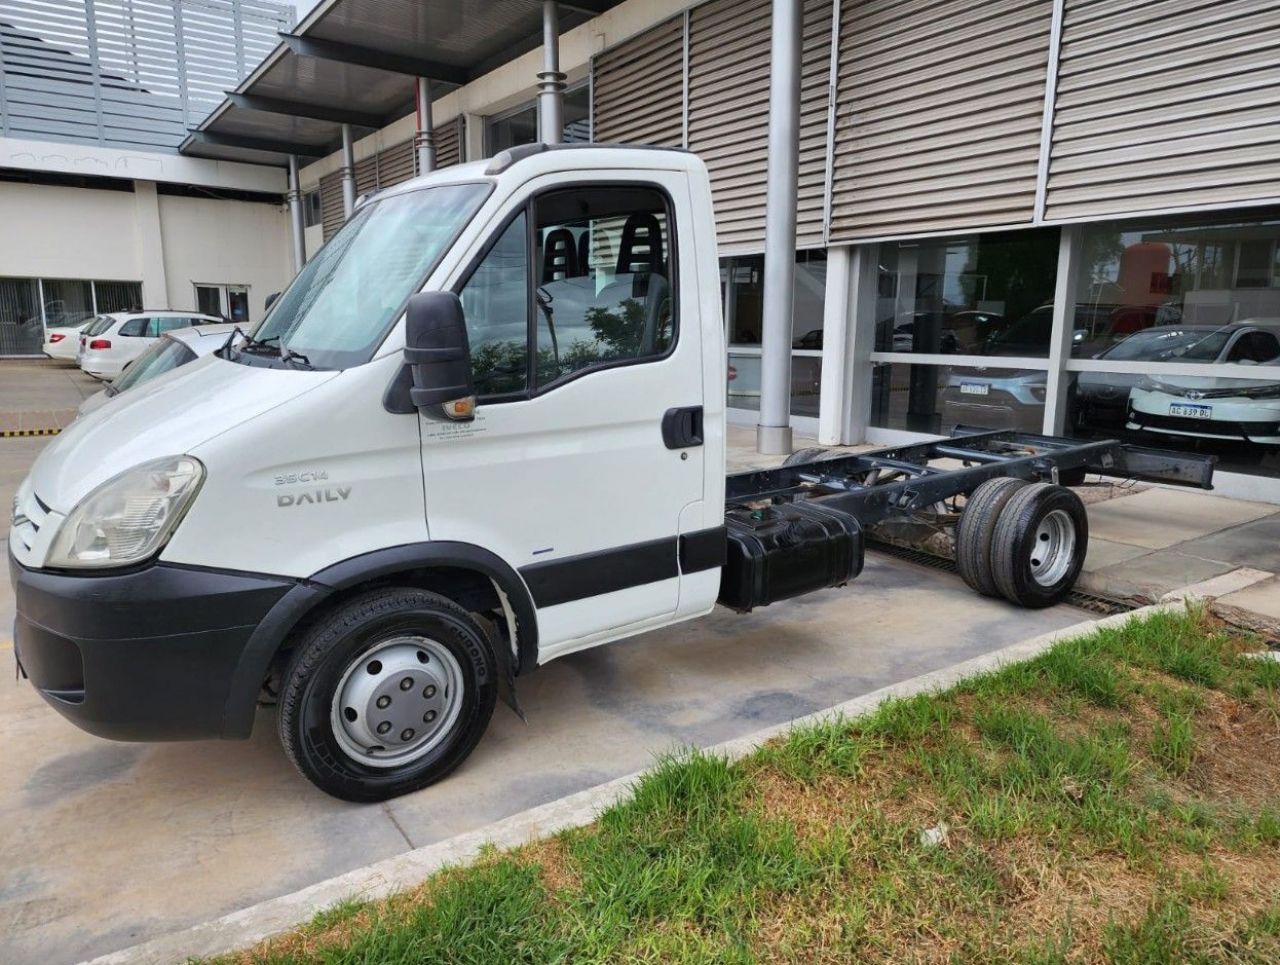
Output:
x=438 y=354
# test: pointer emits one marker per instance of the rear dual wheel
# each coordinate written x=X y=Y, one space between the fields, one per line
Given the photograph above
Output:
x=1023 y=541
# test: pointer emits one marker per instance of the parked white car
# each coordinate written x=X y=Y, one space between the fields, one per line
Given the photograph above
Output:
x=115 y=340
x=172 y=350
x=63 y=342
x=1239 y=410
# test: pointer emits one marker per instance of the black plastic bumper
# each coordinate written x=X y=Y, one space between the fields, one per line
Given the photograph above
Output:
x=152 y=654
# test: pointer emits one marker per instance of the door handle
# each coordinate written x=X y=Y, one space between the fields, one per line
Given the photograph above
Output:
x=682 y=428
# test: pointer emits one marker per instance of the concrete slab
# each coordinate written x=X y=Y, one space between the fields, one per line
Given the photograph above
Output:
x=1261 y=598
x=106 y=845
x=1104 y=553
x=1159 y=518
x=1255 y=543
x=1221 y=586
x=1150 y=577
x=43 y=385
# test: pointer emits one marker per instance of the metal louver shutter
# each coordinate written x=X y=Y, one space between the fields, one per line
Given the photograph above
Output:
x=1165 y=104
x=449 y=138
x=939 y=109
x=637 y=88
x=729 y=116
x=331 y=203
x=366 y=176
x=396 y=164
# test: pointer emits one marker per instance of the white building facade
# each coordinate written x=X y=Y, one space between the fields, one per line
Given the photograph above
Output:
x=100 y=212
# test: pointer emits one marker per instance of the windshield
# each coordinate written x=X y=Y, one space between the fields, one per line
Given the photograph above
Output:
x=164 y=356
x=339 y=307
x=1208 y=348
x=1154 y=344
x=99 y=325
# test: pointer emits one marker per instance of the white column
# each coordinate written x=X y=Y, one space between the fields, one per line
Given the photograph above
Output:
x=550 y=80
x=473 y=137
x=348 y=173
x=1064 y=325
x=425 y=139
x=837 y=345
x=848 y=337
x=146 y=210
x=773 y=433
x=295 y=216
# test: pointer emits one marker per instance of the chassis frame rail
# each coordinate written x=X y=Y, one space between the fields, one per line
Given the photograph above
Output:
x=900 y=481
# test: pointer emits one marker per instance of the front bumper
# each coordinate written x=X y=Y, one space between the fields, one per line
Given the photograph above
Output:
x=146 y=655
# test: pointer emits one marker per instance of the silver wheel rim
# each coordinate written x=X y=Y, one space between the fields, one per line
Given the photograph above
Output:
x=396 y=701
x=1054 y=548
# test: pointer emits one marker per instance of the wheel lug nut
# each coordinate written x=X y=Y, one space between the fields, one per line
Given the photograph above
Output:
x=384 y=702
x=384 y=727
x=406 y=734
x=429 y=716
x=406 y=684
x=429 y=692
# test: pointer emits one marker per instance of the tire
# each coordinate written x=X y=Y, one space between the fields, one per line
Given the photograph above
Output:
x=363 y=653
x=1039 y=545
x=810 y=454
x=975 y=529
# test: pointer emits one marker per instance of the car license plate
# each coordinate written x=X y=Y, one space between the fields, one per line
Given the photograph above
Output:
x=974 y=388
x=1191 y=411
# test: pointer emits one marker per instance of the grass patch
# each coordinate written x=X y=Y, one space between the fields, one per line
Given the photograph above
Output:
x=1116 y=799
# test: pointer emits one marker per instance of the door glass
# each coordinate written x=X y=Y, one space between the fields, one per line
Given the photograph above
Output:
x=495 y=302
x=209 y=299
x=238 y=302
x=604 y=291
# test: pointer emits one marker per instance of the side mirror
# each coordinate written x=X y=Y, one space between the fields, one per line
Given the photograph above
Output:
x=438 y=354
x=271 y=300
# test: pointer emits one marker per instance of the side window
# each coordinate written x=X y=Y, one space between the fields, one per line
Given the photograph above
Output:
x=171 y=323
x=495 y=301
x=135 y=327
x=1255 y=347
x=604 y=286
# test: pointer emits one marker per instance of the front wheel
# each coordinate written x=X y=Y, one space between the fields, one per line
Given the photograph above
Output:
x=387 y=694
x=1039 y=545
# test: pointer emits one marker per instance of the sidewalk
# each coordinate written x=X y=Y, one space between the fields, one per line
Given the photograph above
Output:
x=40 y=396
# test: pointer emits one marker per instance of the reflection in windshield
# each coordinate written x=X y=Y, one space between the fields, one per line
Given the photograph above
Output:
x=339 y=307
x=165 y=355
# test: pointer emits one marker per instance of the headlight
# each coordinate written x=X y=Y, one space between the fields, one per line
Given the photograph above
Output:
x=130 y=517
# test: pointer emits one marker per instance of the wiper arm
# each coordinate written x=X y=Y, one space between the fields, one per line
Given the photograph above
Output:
x=288 y=355
x=248 y=342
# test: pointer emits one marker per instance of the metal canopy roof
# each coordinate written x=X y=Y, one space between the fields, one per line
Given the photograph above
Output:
x=356 y=61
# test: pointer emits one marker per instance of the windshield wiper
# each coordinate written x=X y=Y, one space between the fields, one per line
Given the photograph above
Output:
x=248 y=343
x=288 y=355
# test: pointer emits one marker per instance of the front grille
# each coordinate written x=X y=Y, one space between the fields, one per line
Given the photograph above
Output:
x=31 y=514
x=1208 y=427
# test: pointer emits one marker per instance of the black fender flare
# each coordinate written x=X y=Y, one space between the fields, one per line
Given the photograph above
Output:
x=310 y=593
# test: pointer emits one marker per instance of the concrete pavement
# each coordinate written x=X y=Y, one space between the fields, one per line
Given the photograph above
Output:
x=41 y=394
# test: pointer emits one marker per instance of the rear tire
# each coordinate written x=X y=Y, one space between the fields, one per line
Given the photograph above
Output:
x=1039 y=545
x=387 y=694
x=975 y=529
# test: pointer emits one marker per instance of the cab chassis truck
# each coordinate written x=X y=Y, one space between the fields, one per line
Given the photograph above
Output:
x=483 y=428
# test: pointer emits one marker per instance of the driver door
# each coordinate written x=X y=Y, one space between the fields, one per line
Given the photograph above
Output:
x=581 y=345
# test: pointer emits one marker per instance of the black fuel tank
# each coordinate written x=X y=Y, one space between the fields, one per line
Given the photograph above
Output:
x=783 y=551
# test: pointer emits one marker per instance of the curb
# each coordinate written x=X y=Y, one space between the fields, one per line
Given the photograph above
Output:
x=245 y=928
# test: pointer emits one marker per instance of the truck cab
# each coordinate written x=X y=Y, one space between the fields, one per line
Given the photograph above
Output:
x=388 y=564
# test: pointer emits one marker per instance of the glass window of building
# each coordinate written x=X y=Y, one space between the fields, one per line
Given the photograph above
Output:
x=21 y=328
x=1187 y=291
x=520 y=125
x=742 y=282
x=987 y=294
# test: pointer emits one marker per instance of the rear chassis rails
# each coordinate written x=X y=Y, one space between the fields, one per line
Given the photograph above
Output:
x=902 y=496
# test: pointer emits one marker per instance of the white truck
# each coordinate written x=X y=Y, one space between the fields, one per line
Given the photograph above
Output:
x=483 y=428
